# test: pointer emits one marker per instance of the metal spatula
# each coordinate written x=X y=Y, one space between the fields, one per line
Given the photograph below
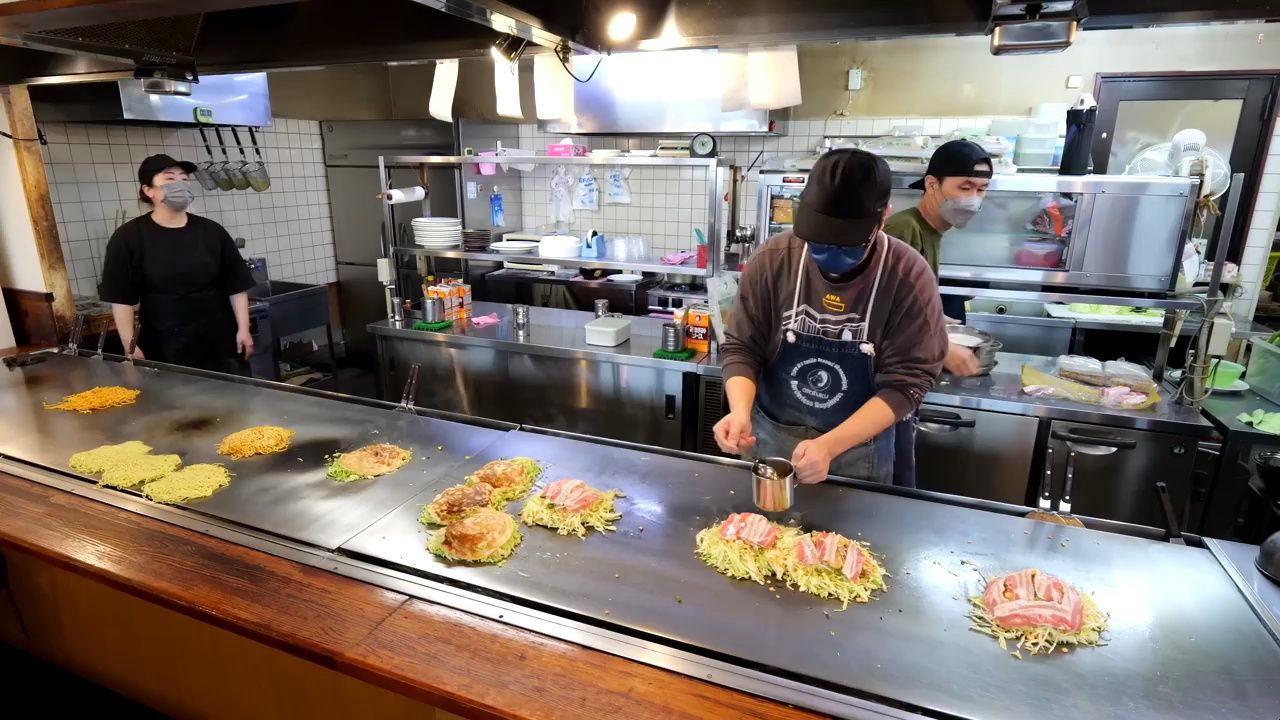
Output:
x=1044 y=506
x=410 y=394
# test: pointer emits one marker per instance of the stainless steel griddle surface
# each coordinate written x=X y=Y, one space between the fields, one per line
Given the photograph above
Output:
x=285 y=493
x=1183 y=642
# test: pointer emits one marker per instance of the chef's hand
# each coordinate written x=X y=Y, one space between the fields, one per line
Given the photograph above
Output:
x=812 y=461
x=960 y=361
x=244 y=343
x=733 y=433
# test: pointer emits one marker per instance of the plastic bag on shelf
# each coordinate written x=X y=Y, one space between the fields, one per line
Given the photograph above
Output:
x=1130 y=375
x=561 y=202
x=586 y=193
x=617 y=191
x=1081 y=369
x=1042 y=384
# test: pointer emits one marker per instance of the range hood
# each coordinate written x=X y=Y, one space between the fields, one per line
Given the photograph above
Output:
x=1019 y=27
x=216 y=100
x=674 y=92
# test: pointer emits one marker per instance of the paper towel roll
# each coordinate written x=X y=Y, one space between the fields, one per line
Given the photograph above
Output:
x=404 y=195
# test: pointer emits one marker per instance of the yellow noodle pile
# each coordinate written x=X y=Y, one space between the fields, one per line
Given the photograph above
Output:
x=99 y=398
x=100 y=459
x=194 y=482
x=140 y=469
x=259 y=440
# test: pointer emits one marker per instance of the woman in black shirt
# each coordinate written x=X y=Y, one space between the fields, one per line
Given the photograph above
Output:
x=183 y=271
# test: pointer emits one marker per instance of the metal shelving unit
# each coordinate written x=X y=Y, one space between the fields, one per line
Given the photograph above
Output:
x=650 y=266
x=715 y=177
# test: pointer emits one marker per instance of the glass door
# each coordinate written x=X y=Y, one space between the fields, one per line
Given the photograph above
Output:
x=1233 y=110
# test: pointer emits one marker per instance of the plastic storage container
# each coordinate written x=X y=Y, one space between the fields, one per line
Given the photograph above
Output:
x=1264 y=369
x=608 y=331
x=1039 y=254
x=1035 y=150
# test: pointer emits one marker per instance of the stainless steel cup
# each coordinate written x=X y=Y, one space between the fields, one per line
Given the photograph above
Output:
x=602 y=307
x=672 y=337
x=774 y=492
x=520 y=316
x=432 y=309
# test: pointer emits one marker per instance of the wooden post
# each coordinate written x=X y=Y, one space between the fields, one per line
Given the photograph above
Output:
x=35 y=187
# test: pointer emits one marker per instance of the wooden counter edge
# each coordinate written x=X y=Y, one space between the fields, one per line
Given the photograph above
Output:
x=458 y=662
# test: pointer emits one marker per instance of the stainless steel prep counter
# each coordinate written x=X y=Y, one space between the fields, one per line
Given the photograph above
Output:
x=1184 y=640
x=1001 y=391
x=547 y=375
x=552 y=332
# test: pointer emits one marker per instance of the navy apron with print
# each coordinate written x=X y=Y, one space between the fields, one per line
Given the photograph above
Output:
x=814 y=383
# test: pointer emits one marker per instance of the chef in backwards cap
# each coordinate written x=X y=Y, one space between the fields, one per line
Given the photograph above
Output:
x=837 y=332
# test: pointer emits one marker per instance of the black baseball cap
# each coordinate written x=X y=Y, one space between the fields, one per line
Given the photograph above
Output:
x=844 y=200
x=956 y=158
x=157 y=164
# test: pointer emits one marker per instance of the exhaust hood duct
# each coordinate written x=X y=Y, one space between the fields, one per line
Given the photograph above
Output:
x=1033 y=28
x=671 y=92
x=216 y=100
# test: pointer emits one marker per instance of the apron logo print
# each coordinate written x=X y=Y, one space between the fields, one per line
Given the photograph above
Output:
x=833 y=303
x=818 y=382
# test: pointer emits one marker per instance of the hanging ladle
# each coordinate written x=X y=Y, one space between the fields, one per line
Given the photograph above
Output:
x=206 y=172
x=232 y=168
x=256 y=170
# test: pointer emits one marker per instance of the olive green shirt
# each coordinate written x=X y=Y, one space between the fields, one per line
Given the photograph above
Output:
x=910 y=227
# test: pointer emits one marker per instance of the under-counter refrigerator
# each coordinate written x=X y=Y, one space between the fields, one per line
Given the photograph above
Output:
x=351 y=151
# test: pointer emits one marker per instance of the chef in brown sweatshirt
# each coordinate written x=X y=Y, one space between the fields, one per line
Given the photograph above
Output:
x=837 y=332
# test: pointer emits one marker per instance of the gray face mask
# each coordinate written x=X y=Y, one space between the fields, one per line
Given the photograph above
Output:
x=179 y=194
x=958 y=211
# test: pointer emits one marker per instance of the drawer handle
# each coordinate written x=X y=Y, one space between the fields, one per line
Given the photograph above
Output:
x=945 y=419
x=1117 y=443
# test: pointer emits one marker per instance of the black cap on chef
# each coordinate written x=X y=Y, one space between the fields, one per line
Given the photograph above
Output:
x=957 y=158
x=844 y=200
x=157 y=164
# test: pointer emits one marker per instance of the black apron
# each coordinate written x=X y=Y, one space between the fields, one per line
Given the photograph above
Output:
x=193 y=330
x=814 y=383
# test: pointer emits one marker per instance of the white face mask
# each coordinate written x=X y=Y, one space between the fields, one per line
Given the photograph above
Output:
x=958 y=211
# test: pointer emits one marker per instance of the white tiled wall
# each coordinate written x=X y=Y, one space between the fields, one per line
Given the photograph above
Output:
x=669 y=203
x=1262 y=232
x=93 y=171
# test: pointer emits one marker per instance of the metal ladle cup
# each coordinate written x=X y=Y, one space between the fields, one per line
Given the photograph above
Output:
x=773 y=484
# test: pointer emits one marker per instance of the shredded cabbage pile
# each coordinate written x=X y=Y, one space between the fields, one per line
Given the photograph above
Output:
x=742 y=560
x=598 y=516
x=1041 y=639
x=737 y=558
x=825 y=581
x=436 y=546
x=532 y=472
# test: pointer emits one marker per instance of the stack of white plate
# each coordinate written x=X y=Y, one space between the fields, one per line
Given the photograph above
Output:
x=437 y=232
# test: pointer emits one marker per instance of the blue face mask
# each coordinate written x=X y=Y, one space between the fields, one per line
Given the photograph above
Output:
x=836 y=259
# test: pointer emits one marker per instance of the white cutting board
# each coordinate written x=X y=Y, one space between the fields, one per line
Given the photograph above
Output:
x=1059 y=310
